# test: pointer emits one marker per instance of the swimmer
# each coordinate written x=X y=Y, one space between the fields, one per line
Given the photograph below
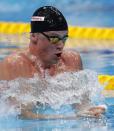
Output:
x=46 y=53
x=49 y=32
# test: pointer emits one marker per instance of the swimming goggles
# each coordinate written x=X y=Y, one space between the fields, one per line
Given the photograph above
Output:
x=55 y=39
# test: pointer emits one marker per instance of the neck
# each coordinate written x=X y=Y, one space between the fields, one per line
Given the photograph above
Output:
x=38 y=63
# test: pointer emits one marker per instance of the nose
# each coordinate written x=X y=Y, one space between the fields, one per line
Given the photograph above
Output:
x=60 y=45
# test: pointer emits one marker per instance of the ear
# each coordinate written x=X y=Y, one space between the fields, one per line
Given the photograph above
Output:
x=34 y=38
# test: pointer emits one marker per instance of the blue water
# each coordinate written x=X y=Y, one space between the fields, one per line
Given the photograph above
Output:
x=101 y=61
x=77 y=12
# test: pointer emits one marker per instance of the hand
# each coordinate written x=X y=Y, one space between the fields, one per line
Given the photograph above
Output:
x=94 y=111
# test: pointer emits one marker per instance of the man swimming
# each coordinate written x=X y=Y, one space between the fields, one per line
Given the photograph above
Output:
x=49 y=32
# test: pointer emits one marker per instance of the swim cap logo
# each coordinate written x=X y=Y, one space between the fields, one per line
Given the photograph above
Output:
x=37 y=18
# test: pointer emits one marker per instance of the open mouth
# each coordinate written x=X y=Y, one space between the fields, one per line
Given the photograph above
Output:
x=58 y=54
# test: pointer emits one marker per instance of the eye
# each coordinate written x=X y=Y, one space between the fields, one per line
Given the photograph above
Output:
x=54 y=40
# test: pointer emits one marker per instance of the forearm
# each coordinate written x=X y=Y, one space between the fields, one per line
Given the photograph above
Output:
x=27 y=114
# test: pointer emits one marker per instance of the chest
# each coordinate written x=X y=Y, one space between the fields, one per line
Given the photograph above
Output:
x=54 y=69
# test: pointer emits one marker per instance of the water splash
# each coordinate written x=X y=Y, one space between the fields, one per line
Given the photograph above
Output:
x=63 y=89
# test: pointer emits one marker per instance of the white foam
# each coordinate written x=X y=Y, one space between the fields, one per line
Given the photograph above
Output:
x=65 y=88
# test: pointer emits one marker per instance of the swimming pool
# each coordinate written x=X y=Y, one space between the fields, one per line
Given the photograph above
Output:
x=102 y=62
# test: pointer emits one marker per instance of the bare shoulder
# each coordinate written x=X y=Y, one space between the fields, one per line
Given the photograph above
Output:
x=72 y=59
x=13 y=66
x=13 y=58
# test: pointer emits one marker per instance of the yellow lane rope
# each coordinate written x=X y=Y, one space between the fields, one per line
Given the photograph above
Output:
x=107 y=81
x=74 y=32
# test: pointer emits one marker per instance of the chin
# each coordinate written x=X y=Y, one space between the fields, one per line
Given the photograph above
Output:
x=55 y=61
x=50 y=63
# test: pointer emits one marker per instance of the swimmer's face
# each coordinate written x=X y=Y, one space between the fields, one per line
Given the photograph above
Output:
x=50 y=45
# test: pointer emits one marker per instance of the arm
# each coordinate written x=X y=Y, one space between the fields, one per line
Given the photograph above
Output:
x=94 y=112
x=26 y=113
x=78 y=61
x=87 y=110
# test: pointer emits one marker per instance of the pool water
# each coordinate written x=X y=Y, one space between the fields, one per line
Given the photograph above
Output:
x=90 y=124
x=100 y=61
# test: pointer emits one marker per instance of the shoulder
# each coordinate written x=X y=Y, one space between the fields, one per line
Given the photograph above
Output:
x=14 y=62
x=14 y=59
x=8 y=68
x=14 y=66
x=71 y=54
x=72 y=59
